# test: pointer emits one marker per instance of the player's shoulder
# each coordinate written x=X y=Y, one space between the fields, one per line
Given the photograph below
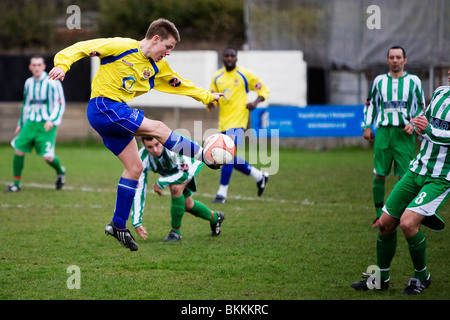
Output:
x=441 y=90
x=219 y=72
x=244 y=70
x=29 y=81
x=413 y=77
x=381 y=77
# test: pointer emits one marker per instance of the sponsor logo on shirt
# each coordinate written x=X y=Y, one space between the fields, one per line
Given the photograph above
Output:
x=439 y=123
x=394 y=106
x=38 y=101
x=127 y=84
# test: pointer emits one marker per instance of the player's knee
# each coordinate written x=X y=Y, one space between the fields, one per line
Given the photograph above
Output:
x=160 y=130
x=48 y=159
x=409 y=226
x=387 y=224
x=135 y=170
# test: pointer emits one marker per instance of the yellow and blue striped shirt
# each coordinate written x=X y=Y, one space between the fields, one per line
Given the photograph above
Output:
x=125 y=72
x=236 y=85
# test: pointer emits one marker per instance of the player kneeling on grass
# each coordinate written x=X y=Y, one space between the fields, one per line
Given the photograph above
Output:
x=178 y=173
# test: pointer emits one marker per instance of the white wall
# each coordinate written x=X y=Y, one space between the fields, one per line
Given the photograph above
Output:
x=284 y=73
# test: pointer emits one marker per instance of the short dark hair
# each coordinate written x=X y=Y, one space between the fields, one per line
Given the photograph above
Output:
x=147 y=138
x=163 y=28
x=397 y=47
x=37 y=56
x=229 y=48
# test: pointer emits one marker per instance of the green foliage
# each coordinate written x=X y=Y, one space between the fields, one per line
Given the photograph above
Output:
x=30 y=25
x=197 y=20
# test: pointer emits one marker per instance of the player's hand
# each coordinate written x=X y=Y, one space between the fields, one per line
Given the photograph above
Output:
x=251 y=105
x=217 y=95
x=421 y=123
x=211 y=106
x=142 y=232
x=48 y=125
x=157 y=190
x=368 y=134
x=17 y=131
x=409 y=128
x=57 y=74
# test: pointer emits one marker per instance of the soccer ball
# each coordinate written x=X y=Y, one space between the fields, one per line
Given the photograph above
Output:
x=218 y=149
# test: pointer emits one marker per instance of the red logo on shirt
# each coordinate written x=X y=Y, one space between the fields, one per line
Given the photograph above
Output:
x=146 y=73
x=175 y=82
x=94 y=54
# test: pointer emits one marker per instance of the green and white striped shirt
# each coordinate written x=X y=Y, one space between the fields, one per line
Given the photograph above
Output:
x=433 y=159
x=393 y=102
x=173 y=168
x=43 y=100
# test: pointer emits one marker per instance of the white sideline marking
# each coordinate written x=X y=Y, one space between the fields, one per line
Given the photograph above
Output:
x=304 y=202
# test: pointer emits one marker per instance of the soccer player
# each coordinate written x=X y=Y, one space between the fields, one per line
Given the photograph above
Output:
x=129 y=68
x=178 y=174
x=418 y=196
x=42 y=112
x=395 y=98
x=236 y=82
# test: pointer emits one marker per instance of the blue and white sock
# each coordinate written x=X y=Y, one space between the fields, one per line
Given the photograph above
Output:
x=126 y=190
x=183 y=146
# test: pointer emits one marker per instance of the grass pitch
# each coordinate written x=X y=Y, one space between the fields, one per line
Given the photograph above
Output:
x=307 y=238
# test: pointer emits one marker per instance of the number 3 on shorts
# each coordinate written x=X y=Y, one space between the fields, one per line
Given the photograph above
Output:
x=420 y=198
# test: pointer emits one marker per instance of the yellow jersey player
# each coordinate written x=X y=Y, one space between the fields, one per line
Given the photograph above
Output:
x=235 y=82
x=129 y=68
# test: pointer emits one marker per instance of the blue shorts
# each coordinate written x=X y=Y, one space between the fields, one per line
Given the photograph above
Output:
x=236 y=134
x=114 y=121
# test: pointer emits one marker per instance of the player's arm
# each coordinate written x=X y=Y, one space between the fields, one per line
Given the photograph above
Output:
x=57 y=104
x=169 y=81
x=370 y=113
x=23 y=112
x=213 y=89
x=141 y=191
x=95 y=48
x=257 y=85
x=430 y=132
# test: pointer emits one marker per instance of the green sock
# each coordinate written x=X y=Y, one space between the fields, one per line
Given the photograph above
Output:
x=378 y=189
x=18 y=164
x=417 y=249
x=386 y=247
x=55 y=164
x=177 y=212
x=202 y=211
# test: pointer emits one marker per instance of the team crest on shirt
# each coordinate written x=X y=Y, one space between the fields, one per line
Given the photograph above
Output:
x=146 y=73
x=175 y=82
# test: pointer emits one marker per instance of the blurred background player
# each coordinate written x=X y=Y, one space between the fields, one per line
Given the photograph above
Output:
x=42 y=112
x=395 y=98
x=178 y=173
x=130 y=68
x=235 y=82
x=417 y=197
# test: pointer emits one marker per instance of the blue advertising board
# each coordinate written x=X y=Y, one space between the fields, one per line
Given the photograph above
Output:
x=310 y=121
